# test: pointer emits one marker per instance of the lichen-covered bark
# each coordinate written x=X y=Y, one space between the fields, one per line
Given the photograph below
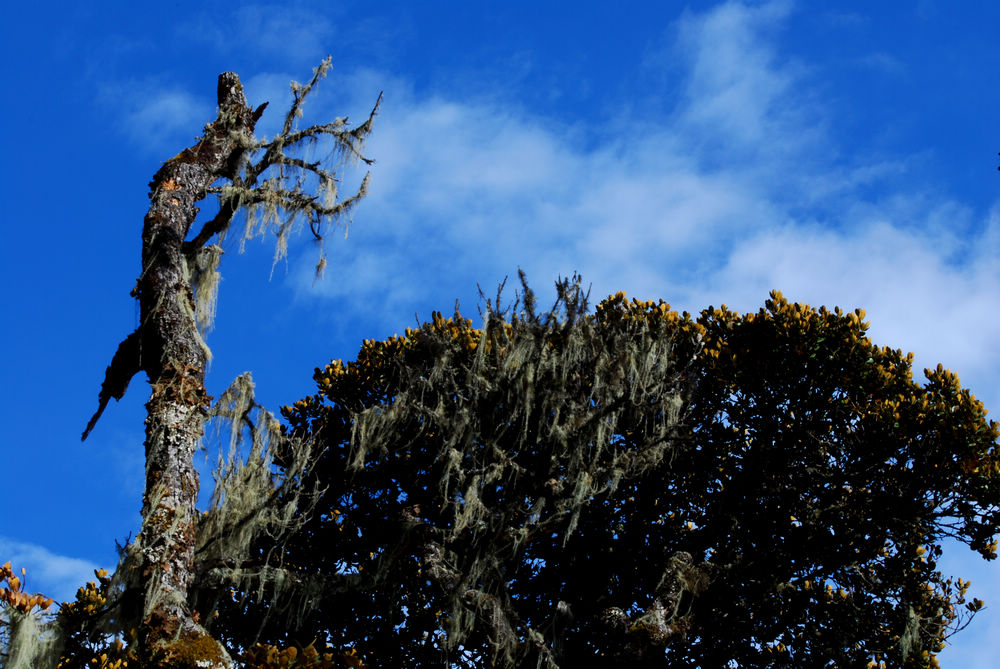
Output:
x=173 y=356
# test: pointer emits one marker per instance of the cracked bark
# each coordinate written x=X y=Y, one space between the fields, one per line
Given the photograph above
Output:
x=159 y=568
x=173 y=356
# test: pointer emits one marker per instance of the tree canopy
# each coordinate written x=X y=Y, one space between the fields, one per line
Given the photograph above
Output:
x=632 y=486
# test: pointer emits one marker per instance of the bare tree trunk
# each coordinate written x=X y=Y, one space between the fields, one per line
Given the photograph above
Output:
x=168 y=345
x=171 y=352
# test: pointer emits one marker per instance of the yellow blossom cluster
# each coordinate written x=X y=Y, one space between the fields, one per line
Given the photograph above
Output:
x=14 y=596
x=618 y=309
x=80 y=650
x=91 y=598
x=266 y=656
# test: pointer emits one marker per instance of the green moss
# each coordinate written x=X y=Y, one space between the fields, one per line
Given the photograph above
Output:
x=192 y=651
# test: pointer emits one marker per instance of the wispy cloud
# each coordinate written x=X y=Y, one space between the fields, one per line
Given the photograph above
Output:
x=280 y=34
x=916 y=298
x=465 y=191
x=159 y=113
x=56 y=576
x=157 y=118
x=742 y=187
x=738 y=94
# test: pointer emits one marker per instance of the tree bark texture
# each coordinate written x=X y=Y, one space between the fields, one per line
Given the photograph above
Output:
x=173 y=355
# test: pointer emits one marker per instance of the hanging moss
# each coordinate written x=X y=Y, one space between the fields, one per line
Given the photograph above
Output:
x=170 y=574
x=204 y=278
x=488 y=442
x=632 y=485
x=31 y=643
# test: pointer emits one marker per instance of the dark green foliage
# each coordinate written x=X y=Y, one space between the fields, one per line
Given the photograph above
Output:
x=632 y=488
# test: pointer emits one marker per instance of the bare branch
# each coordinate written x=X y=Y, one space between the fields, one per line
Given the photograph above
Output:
x=125 y=364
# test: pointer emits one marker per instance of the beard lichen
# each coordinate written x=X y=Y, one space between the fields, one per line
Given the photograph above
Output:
x=281 y=189
x=31 y=642
x=526 y=426
x=251 y=500
x=204 y=277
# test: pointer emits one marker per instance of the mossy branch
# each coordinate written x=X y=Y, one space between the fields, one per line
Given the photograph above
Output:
x=275 y=202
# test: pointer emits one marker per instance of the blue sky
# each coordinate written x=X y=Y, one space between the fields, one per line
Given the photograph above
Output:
x=702 y=153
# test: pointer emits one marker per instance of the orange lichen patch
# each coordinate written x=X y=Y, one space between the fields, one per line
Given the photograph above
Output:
x=182 y=383
x=171 y=184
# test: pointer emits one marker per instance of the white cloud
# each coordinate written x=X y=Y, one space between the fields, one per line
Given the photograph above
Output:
x=737 y=93
x=280 y=28
x=56 y=576
x=740 y=189
x=289 y=32
x=915 y=298
x=158 y=118
x=465 y=191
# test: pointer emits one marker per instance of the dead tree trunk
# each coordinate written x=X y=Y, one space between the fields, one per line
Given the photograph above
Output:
x=168 y=344
x=169 y=348
x=174 y=357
